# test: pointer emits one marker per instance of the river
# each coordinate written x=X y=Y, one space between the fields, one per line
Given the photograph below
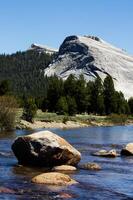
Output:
x=114 y=181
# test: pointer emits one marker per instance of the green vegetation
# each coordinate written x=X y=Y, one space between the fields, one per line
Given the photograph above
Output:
x=22 y=76
x=29 y=110
x=75 y=96
x=8 y=107
x=117 y=118
x=25 y=72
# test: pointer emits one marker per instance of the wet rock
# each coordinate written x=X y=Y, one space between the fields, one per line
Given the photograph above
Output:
x=64 y=168
x=54 y=178
x=90 y=166
x=127 y=150
x=104 y=153
x=64 y=195
x=44 y=148
x=6 y=190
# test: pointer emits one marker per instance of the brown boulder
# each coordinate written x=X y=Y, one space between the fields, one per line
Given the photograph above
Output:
x=90 y=166
x=44 y=148
x=127 y=150
x=54 y=178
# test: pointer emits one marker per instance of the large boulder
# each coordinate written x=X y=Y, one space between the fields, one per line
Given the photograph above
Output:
x=44 y=148
x=54 y=178
x=127 y=150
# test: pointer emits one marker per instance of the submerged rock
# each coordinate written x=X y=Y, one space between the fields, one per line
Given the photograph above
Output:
x=104 y=153
x=6 y=190
x=90 y=166
x=127 y=150
x=44 y=148
x=64 y=168
x=54 y=178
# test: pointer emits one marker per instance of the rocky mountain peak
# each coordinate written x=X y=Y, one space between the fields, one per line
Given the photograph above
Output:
x=92 y=57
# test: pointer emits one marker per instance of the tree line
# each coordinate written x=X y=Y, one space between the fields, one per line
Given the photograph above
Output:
x=78 y=96
x=25 y=72
x=69 y=97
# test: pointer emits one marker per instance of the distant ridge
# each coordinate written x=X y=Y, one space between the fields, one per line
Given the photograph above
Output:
x=42 y=48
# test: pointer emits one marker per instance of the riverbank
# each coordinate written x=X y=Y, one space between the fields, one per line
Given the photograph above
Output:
x=52 y=120
x=40 y=124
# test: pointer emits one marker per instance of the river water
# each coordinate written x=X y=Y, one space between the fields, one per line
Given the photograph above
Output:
x=114 y=181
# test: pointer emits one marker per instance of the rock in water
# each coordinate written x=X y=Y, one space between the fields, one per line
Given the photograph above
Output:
x=54 y=178
x=103 y=153
x=90 y=166
x=92 y=57
x=127 y=150
x=64 y=168
x=44 y=148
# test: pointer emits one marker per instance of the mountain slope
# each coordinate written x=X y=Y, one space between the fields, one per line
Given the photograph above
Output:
x=92 y=56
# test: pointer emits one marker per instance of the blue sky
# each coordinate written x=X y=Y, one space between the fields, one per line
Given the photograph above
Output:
x=23 y=22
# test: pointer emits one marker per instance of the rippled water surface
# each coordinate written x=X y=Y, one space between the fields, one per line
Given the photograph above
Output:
x=114 y=181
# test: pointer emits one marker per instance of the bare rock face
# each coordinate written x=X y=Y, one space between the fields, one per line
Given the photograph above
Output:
x=42 y=48
x=127 y=150
x=54 y=178
x=92 y=57
x=64 y=168
x=44 y=148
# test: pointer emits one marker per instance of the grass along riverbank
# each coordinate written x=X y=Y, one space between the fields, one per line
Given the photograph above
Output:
x=52 y=120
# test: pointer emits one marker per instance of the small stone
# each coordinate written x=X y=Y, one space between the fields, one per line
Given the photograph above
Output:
x=6 y=190
x=64 y=168
x=54 y=178
x=112 y=153
x=90 y=166
x=65 y=195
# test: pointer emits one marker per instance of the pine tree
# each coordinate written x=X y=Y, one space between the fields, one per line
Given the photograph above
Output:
x=4 y=87
x=81 y=95
x=55 y=91
x=109 y=95
x=62 y=106
x=130 y=103
x=97 y=100
x=72 y=106
x=70 y=85
x=29 y=110
x=121 y=104
x=89 y=89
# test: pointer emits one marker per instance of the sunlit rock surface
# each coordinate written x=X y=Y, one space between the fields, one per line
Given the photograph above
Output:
x=44 y=148
x=92 y=56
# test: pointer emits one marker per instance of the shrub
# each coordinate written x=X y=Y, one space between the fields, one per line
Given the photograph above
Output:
x=65 y=119
x=117 y=119
x=29 y=110
x=8 y=107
